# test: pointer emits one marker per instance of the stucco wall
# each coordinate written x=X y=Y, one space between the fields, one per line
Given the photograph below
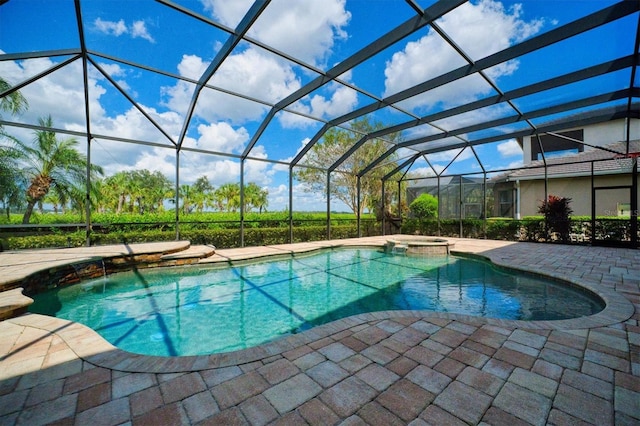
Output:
x=579 y=190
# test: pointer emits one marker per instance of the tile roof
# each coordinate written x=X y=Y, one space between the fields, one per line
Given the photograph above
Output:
x=604 y=162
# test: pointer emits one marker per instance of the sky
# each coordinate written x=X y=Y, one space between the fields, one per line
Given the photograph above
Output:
x=319 y=34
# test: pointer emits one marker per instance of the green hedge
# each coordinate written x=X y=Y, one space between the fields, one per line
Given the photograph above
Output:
x=221 y=238
x=526 y=229
x=272 y=219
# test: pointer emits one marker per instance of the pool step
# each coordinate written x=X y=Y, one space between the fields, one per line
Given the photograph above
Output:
x=189 y=256
x=13 y=303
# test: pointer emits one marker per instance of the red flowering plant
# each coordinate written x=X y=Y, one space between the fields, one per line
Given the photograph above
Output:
x=557 y=214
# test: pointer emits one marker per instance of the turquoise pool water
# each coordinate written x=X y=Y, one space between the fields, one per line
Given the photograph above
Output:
x=191 y=311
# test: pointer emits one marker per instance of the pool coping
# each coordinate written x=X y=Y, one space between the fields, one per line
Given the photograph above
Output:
x=91 y=347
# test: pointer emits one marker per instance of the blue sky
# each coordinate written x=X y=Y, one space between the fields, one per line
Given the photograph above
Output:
x=320 y=33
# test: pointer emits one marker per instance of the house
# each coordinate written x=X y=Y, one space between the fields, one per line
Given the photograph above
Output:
x=589 y=165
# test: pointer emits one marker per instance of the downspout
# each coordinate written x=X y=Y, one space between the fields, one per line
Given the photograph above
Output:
x=517 y=212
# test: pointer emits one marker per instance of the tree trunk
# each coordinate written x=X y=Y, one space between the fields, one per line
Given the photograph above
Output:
x=35 y=193
x=28 y=211
x=121 y=199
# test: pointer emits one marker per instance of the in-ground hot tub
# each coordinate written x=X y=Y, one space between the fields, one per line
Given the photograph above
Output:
x=426 y=245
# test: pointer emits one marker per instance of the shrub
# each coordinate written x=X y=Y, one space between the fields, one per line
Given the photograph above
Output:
x=503 y=229
x=424 y=207
x=557 y=214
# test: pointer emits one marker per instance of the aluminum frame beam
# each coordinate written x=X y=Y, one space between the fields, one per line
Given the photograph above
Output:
x=576 y=76
x=593 y=100
x=581 y=25
x=400 y=32
x=245 y=24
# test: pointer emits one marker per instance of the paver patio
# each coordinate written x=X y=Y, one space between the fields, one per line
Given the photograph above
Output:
x=381 y=368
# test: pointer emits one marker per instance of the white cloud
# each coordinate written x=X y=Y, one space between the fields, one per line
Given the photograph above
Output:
x=59 y=94
x=191 y=66
x=254 y=73
x=278 y=197
x=250 y=72
x=423 y=171
x=502 y=26
x=510 y=148
x=161 y=160
x=114 y=70
x=305 y=29
x=282 y=167
x=260 y=75
x=446 y=156
x=111 y=27
x=227 y=12
x=220 y=137
x=480 y=29
x=133 y=125
x=342 y=99
x=137 y=29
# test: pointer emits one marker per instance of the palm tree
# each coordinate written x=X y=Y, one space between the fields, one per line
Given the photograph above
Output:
x=53 y=164
x=14 y=103
x=10 y=176
x=186 y=193
x=228 y=197
x=12 y=182
x=255 y=197
x=114 y=192
x=203 y=193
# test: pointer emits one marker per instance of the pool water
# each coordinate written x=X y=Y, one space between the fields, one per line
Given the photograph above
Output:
x=193 y=311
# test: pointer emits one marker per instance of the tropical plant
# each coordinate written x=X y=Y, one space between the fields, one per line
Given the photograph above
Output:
x=227 y=197
x=333 y=145
x=137 y=191
x=557 y=216
x=114 y=192
x=11 y=179
x=53 y=165
x=12 y=182
x=13 y=103
x=187 y=195
x=202 y=194
x=153 y=189
x=255 y=197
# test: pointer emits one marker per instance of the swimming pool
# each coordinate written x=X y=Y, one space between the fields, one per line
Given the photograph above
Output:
x=194 y=311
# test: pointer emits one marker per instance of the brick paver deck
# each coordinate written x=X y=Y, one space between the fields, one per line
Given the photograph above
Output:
x=381 y=368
